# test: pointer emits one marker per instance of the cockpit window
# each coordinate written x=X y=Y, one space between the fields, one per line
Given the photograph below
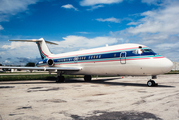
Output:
x=148 y=50
x=143 y=51
x=138 y=51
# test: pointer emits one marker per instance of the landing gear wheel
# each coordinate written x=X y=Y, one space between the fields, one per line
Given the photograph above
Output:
x=87 y=78
x=151 y=83
x=60 y=79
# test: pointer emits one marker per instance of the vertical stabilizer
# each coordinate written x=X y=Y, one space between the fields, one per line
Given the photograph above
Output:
x=43 y=49
x=41 y=43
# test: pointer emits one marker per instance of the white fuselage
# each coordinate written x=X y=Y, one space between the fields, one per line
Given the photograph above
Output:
x=125 y=59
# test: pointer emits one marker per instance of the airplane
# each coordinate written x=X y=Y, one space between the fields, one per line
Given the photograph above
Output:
x=118 y=60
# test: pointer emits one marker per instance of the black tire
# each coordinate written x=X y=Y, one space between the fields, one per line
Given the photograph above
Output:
x=87 y=78
x=151 y=83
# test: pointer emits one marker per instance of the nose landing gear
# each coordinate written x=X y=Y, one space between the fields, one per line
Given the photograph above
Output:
x=151 y=83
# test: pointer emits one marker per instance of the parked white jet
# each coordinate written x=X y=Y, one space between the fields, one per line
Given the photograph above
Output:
x=118 y=60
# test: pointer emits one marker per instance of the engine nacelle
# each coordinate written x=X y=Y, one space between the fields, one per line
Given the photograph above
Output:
x=50 y=62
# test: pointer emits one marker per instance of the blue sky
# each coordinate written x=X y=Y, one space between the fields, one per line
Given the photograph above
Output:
x=84 y=24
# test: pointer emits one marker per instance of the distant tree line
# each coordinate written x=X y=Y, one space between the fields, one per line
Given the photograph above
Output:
x=30 y=64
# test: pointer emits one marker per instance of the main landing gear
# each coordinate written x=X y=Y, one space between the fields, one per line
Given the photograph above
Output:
x=87 y=78
x=60 y=79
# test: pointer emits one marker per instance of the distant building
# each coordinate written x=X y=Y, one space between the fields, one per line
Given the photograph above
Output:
x=175 y=66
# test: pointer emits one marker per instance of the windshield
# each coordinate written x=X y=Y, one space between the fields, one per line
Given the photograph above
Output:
x=148 y=50
x=144 y=52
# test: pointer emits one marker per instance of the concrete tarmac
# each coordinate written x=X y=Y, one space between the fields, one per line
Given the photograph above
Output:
x=110 y=98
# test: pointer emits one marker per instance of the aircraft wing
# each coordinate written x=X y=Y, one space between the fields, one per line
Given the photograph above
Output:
x=45 y=68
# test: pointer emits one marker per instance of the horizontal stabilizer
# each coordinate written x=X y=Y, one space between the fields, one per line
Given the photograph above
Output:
x=35 y=40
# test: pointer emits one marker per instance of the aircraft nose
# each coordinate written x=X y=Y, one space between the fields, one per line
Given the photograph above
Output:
x=166 y=65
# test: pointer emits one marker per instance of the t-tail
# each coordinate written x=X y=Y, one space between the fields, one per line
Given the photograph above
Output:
x=41 y=43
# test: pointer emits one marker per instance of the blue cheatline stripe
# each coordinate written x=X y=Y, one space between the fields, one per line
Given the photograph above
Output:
x=106 y=59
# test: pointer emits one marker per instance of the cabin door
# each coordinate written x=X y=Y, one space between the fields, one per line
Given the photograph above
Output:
x=123 y=57
x=76 y=59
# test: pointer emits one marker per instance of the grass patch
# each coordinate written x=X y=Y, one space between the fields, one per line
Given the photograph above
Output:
x=173 y=72
x=34 y=77
x=25 y=77
x=37 y=77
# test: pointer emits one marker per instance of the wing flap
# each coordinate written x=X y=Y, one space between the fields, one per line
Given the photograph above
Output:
x=44 y=68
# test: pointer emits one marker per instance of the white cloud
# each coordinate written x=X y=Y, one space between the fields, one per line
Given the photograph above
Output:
x=83 y=42
x=84 y=32
x=69 y=6
x=158 y=2
x=133 y=23
x=19 y=49
x=95 y=7
x=2 y=53
x=73 y=43
x=169 y=50
x=155 y=2
x=95 y=2
x=158 y=21
x=167 y=46
x=16 y=45
x=12 y=7
x=1 y=28
x=112 y=19
x=6 y=62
